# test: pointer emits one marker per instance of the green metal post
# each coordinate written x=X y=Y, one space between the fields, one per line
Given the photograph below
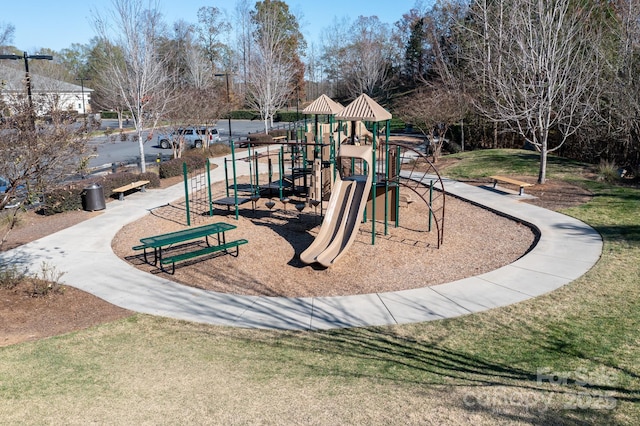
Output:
x=186 y=191
x=226 y=178
x=430 y=203
x=397 y=180
x=386 y=181
x=333 y=151
x=281 y=169
x=256 y=171
x=209 y=187
x=373 y=186
x=250 y=168
x=235 y=181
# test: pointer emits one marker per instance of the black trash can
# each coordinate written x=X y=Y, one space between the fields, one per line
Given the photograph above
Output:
x=93 y=198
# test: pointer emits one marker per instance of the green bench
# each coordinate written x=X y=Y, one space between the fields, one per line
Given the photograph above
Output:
x=201 y=252
x=162 y=242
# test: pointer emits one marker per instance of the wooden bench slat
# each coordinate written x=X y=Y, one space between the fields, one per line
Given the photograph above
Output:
x=510 y=180
x=133 y=185
x=516 y=182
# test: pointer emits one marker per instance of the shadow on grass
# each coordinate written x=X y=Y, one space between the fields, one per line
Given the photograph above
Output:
x=382 y=355
x=627 y=233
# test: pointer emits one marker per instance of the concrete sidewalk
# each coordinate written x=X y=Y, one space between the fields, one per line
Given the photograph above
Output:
x=567 y=248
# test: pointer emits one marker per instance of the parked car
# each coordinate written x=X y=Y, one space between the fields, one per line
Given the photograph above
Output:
x=13 y=202
x=194 y=137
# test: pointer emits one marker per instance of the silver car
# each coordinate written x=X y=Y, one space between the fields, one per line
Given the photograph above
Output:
x=194 y=137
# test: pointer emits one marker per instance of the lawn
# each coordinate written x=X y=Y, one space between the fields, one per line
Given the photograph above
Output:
x=568 y=357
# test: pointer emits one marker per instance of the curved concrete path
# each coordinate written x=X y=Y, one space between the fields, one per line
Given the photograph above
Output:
x=567 y=248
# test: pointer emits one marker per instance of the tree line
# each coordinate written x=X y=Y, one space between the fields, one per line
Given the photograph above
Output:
x=558 y=76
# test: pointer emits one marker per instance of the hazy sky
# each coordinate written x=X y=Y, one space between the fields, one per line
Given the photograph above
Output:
x=58 y=24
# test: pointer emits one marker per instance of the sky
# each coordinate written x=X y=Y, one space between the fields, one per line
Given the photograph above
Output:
x=58 y=24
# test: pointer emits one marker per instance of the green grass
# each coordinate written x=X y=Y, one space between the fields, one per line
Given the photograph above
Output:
x=485 y=368
x=484 y=163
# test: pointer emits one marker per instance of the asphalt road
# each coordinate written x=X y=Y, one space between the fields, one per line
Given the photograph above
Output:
x=106 y=150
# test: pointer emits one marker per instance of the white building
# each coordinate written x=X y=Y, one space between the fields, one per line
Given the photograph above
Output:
x=47 y=94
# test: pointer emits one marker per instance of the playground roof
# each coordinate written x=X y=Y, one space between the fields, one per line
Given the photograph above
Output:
x=364 y=108
x=323 y=105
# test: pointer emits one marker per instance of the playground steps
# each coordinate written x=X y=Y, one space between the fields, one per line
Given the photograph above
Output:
x=231 y=201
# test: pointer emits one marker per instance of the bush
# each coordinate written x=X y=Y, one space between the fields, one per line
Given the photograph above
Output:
x=112 y=114
x=109 y=114
x=245 y=115
x=608 y=171
x=69 y=197
x=217 y=150
x=288 y=116
x=263 y=137
x=116 y=180
x=260 y=137
x=452 y=147
x=63 y=199
x=48 y=281
x=173 y=167
x=39 y=285
x=10 y=276
x=398 y=125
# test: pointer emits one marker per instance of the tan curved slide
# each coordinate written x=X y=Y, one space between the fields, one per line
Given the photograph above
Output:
x=344 y=213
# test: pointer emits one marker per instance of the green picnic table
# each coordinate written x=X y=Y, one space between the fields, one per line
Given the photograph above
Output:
x=165 y=241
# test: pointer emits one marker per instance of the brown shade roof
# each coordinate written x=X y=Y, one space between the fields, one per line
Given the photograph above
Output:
x=364 y=108
x=323 y=105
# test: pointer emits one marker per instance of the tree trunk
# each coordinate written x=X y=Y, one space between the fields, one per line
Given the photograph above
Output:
x=542 y=174
x=143 y=163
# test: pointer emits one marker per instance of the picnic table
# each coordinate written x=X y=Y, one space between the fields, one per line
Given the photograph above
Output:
x=162 y=242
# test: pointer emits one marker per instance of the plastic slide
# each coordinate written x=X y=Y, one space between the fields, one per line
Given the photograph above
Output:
x=344 y=213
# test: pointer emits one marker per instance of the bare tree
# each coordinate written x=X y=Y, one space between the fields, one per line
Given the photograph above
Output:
x=244 y=28
x=34 y=159
x=6 y=34
x=199 y=72
x=135 y=72
x=271 y=67
x=212 y=24
x=367 y=61
x=619 y=89
x=334 y=55
x=433 y=110
x=536 y=69
x=268 y=84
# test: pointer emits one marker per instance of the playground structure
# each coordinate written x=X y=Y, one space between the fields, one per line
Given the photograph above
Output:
x=346 y=207
x=346 y=166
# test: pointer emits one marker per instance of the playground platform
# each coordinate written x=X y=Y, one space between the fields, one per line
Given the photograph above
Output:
x=566 y=249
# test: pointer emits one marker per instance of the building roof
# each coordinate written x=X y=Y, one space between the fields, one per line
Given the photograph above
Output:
x=323 y=105
x=12 y=80
x=364 y=108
